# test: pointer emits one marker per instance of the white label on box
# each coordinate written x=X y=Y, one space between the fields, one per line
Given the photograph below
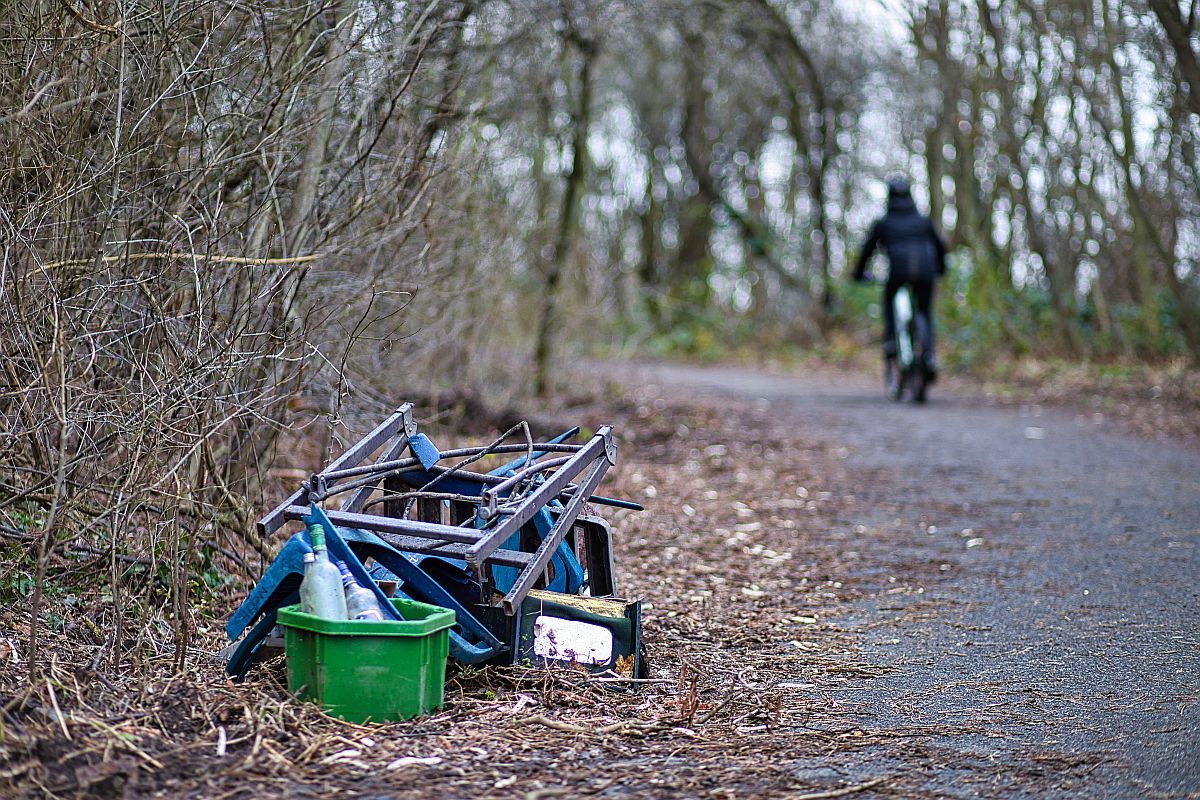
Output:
x=571 y=640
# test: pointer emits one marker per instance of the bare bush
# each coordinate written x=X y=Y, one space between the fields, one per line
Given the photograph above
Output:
x=205 y=208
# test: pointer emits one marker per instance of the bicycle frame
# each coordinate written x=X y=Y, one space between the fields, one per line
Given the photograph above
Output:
x=903 y=309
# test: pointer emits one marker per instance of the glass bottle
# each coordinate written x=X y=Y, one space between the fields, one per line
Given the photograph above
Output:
x=361 y=602
x=321 y=590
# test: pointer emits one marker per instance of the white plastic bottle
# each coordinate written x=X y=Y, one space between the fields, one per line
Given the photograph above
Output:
x=321 y=590
x=361 y=602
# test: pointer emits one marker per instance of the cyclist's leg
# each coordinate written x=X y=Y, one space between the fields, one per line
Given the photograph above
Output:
x=889 y=317
x=923 y=298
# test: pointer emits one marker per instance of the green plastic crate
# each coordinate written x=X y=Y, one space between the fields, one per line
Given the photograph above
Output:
x=363 y=670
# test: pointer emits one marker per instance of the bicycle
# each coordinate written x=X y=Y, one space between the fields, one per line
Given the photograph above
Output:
x=906 y=372
x=905 y=375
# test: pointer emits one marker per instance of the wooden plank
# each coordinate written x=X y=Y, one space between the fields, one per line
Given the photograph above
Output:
x=456 y=550
x=402 y=527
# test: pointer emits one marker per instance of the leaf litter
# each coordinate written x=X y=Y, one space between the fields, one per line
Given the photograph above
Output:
x=754 y=645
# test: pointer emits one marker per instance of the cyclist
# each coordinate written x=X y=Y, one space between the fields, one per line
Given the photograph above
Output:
x=916 y=257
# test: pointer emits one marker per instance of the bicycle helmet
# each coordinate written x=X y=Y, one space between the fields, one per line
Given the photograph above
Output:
x=898 y=187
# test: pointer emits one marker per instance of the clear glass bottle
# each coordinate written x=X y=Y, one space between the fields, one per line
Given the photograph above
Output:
x=321 y=590
x=361 y=602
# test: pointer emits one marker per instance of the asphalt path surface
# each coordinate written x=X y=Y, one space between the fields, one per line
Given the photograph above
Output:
x=1070 y=626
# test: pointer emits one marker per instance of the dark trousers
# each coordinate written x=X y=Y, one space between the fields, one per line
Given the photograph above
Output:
x=922 y=294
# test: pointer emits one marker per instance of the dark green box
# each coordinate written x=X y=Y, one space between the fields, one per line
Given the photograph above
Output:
x=617 y=621
x=363 y=670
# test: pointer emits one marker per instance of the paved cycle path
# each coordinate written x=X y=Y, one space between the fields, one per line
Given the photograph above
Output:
x=1068 y=637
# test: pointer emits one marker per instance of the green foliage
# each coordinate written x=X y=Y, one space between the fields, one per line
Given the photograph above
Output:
x=26 y=517
x=17 y=579
x=855 y=304
x=708 y=339
x=204 y=576
x=981 y=315
x=703 y=337
x=16 y=585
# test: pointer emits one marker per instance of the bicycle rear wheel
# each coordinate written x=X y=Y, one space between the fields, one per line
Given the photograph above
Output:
x=914 y=384
x=893 y=379
x=918 y=381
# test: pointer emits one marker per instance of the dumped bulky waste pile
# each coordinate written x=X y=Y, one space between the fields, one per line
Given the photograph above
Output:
x=416 y=556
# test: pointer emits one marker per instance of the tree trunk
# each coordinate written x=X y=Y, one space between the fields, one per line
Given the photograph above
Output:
x=550 y=323
x=1180 y=36
x=824 y=141
x=298 y=225
x=689 y=288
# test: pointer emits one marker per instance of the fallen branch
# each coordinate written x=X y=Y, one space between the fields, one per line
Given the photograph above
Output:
x=557 y=791
x=625 y=724
x=860 y=787
x=84 y=262
x=718 y=707
x=538 y=719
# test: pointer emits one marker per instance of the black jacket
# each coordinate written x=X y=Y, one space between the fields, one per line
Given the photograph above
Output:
x=914 y=249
